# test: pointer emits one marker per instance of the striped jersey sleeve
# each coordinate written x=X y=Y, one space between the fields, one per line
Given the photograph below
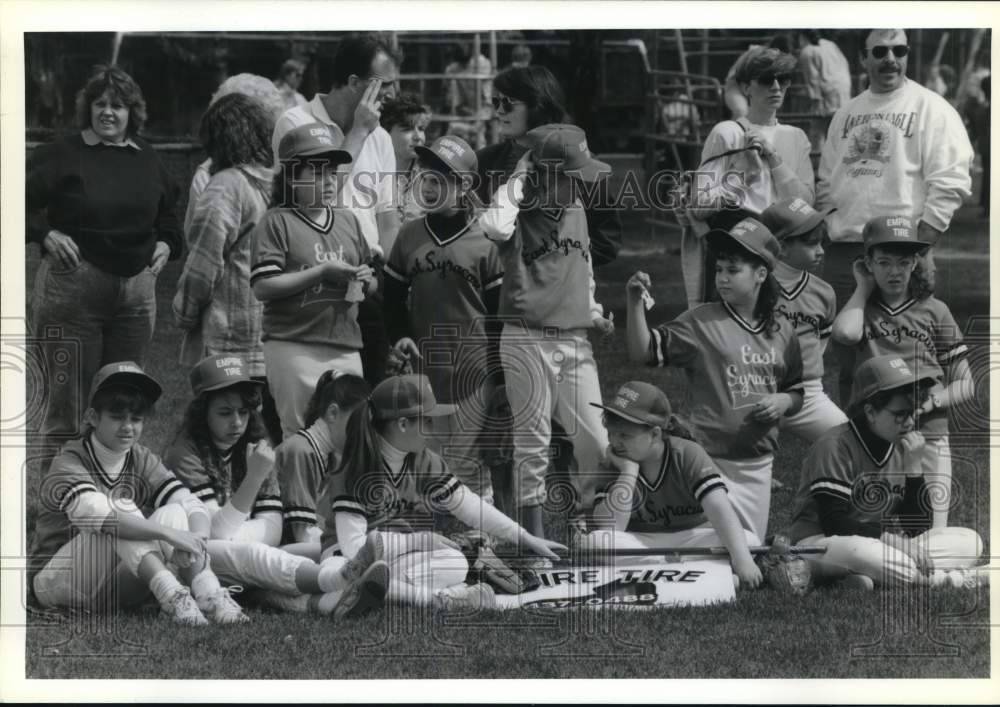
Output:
x=435 y=482
x=270 y=248
x=268 y=497
x=183 y=460
x=673 y=343
x=301 y=468
x=162 y=482
x=700 y=473
x=66 y=481
x=829 y=469
x=948 y=340
x=491 y=274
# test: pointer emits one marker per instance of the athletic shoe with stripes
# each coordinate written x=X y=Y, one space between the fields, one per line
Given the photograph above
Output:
x=462 y=596
x=221 y=608
x=183 y=609
x=362 y=596
x=372 y=551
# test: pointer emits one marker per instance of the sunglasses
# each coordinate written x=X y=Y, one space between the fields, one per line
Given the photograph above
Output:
x=504 y=104
x=882 y=51
x=784 y=80
x=901 y=416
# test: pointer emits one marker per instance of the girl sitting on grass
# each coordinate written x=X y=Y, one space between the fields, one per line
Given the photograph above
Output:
x=387 y=474
x=223 y=456
x=676 y=495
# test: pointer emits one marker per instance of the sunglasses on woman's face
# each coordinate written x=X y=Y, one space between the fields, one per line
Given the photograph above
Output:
x=784 y=80
x=882 y=51
x=504 y=104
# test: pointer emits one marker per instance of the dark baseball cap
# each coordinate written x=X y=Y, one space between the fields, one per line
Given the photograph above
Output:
x=312 y=140
x=792 y=217
x=407 y=396
x=126 y=373
x=451 y=152
x=566 y=147
x=639 y=402
x=883 y=373
x=752 y=236
x=219 y=371
x=892 y=230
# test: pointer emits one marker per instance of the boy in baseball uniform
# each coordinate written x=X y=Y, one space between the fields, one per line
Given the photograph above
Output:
x=809 y=304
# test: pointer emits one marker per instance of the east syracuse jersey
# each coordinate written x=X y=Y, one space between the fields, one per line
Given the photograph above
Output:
x=672 y=500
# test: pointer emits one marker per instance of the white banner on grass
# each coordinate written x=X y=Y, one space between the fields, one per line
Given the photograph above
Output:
x=629 y=585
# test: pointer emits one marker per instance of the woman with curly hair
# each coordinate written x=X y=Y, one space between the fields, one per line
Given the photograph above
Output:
x=221 y=453
x=214 y=304
x=260 y=89
x=101 y=206
x=748 y=163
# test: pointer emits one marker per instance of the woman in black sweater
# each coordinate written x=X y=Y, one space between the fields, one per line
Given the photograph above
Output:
x=102 y=208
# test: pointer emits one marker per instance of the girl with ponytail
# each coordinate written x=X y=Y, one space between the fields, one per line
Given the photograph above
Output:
x=444 y=275
x=304 y=460
x=388 y=474
x=744 y=366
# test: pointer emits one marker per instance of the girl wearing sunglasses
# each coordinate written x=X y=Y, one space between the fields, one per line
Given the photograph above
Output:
x=747 y=163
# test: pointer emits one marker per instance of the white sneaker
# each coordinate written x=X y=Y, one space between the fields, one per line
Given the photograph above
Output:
x=462 y=596
x=183 y=609
x=969 y=577
x=222 y=609
x=371 y=552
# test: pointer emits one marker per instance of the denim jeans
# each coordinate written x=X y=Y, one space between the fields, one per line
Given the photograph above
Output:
x=82 y=319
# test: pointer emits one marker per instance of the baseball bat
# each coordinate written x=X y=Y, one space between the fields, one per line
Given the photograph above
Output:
x=710 y=551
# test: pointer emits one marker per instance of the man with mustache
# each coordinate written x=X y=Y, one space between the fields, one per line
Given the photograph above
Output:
x=920 y=167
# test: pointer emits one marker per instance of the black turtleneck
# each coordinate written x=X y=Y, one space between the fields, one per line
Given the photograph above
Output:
x=839 y=516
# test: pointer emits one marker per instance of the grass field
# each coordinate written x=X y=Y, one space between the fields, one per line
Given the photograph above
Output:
x=761 y=635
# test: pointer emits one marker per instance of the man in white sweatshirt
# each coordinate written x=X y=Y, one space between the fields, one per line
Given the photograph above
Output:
x=895 y=149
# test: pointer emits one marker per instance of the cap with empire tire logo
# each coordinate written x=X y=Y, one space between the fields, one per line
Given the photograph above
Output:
x=789 y=218
x=750 y=235
x=641 y=403
x=892 y=230
x=312 y=140
x=219 y=371
x=883 y=373
x=451 y=152
x=565 y=147
x=127 y=373
x=406 y=396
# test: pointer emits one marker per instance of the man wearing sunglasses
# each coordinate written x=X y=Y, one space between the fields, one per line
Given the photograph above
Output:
x=896 y=148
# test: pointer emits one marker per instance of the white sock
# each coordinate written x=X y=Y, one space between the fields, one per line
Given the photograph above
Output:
x=330 y=579
x=205 y=584
x=163 y=585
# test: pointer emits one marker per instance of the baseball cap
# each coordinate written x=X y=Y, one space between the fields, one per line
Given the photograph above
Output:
x=451 y=152
x=792 y=217
x=219 y=371
x=407 y=396
x=882 y=373
x=639 y=402
x=312 y=140
x=895 y=230
x=125 y=373
x=751 y=235
x=566 y=145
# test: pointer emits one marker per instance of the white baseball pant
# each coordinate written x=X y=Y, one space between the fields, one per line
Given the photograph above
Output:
x=936 y=465
x=818 y=414
x=552 y=374
x=253 y=564
x=748 y=482
x=100 y=572
x=455 y=438
x=292 y=371
x=949 y=548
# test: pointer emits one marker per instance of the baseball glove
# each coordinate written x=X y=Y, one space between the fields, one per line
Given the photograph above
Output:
x=784 y=571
